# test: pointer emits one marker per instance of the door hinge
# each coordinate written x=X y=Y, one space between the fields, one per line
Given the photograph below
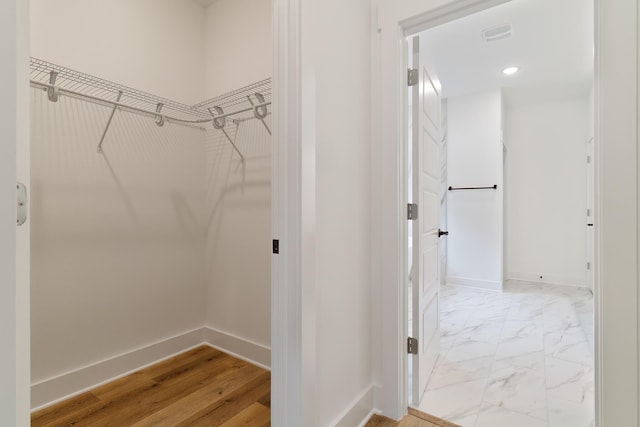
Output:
x=412 y=77
x=412 y=345
x=588 y=159
x=412 y=211
x=276 y=246
x=588 y=266
x=588 y=212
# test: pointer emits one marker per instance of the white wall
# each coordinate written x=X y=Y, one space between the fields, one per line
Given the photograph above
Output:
x=338 y=70
x=547 y=190
x=151 y=45
x=117 y=239
x=474 y=217
x=238 y=251
x=238 y=44
x=238 y=260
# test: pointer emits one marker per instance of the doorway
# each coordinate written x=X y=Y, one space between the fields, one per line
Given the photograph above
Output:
x=508 y=316
x=162 y=177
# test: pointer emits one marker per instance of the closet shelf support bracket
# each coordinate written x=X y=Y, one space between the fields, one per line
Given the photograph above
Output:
x=260 y=110
x=219 y=123
x=113 y=111
x=53 y=92
x=159 y=118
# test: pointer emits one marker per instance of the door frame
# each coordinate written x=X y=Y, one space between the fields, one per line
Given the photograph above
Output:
x=616 y=365
x=292 y=207
x=286 y=277
x=14 y=243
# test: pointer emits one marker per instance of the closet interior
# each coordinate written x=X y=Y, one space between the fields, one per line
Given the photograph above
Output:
x=151 y=186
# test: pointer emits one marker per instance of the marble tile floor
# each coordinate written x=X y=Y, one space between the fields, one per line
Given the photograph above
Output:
x=521 y=357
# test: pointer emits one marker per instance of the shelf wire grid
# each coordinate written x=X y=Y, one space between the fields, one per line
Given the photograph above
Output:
x=239 y=100
x=89 y=85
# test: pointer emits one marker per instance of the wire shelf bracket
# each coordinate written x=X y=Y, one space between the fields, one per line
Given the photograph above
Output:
x=219 y=123
x=260 y=110
x=113 y=112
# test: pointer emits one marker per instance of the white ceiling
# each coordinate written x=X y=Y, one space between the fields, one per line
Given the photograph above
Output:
x=552 y=43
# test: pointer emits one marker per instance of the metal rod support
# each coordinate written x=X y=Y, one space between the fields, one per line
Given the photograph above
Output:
x=233 y=144
x=113 y=112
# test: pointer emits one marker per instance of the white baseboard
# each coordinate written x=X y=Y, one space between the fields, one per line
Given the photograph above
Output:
x=242 y=349
x=475 y=283
x=52 y=390
x=549 y=280
x=358 y=412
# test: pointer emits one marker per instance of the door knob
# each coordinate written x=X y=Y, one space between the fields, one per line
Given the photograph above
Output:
x=442 y=233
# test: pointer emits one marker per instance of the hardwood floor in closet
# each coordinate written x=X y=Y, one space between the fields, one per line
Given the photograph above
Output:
x=201 y=387
x=415 y=418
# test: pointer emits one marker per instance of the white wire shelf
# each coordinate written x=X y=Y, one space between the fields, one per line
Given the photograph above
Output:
x=234 y=107
x=78 y=84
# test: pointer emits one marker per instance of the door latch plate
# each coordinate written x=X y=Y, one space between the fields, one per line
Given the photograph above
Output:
x=21 y=203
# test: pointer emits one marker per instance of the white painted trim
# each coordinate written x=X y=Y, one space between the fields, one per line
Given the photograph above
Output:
x=14 y=245
x=376 y=210
x=53 y=390
x=617 y=331
x=8 y=285
x=358 y=411
x=249 y=351
x=23 y=234
x=474 y=283
x=575 y=282
x=290 y=323
x=548 y=280
x=63 y=386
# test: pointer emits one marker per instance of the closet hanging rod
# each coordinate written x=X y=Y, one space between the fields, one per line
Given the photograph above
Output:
x=153 y=114
x=244 y=110
x=493 y=187
x=107 y=102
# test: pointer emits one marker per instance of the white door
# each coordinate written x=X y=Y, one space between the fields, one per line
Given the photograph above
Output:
x=443 y=190
x=426 y=194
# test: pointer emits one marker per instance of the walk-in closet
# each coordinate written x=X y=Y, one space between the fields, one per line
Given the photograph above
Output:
x=150 y=202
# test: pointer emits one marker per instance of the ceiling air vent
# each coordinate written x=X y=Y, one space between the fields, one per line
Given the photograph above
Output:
x=496 y=33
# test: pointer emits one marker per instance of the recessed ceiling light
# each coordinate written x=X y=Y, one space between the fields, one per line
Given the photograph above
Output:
x=511 y=70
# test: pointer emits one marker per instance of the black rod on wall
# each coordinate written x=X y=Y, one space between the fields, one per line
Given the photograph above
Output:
x=493 y=187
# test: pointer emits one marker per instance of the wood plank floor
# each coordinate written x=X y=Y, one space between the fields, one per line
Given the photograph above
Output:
x=415 y=418
x=201 y=387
